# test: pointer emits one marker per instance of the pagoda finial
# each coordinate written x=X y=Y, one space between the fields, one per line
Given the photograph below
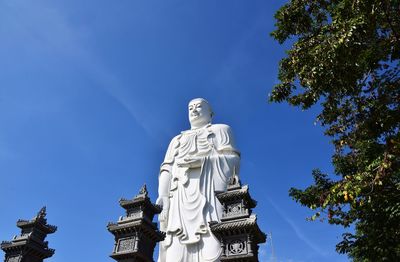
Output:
x=234 y=180
x=41 y=213
x=143 y=190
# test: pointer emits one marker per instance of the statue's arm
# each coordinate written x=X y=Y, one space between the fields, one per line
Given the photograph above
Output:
x=194 y=162
x=164 y=182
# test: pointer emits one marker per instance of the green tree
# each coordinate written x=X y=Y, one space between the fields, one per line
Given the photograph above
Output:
x=345 y=57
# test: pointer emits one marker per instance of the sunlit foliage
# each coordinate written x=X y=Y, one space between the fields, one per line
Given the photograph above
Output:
x=346 y=57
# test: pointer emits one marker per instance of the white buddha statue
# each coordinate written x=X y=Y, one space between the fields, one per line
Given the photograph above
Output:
x=197 y=165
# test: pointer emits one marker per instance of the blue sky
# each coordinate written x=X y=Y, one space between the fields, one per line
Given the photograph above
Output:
x=91 y=92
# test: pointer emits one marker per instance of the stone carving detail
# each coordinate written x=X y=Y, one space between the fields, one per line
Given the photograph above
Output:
x=234 y=209
x=125 y=244
x=237 y=247
x=135 y=213
x=13 y=259
x=134 y=216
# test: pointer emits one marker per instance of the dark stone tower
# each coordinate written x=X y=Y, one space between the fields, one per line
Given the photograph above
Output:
x=135 y=233
x=238 y=230
x=30 y=246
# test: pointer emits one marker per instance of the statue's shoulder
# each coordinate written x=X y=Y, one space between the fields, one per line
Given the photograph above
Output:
x=224 y=137
x=174 y=142
x=176 y=138
x=220 y=128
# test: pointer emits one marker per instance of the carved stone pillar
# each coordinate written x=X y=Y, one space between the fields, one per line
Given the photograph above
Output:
x=238 y=230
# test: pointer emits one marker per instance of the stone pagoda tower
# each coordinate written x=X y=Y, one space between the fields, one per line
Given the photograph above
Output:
x=238 y=230
x=30 y=246
x=135 y=233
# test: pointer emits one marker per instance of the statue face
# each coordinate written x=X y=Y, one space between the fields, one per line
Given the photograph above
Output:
x=199 y=113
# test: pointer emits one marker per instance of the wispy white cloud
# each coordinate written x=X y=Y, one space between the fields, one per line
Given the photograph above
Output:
x=299 y=233
x=237 y=59
x=263 y=253
x=40 y=29
x=266 y=254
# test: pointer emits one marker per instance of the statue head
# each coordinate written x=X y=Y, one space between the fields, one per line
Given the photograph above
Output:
x=200 y=113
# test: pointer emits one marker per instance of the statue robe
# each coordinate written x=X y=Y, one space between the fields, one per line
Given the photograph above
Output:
x=193 y=203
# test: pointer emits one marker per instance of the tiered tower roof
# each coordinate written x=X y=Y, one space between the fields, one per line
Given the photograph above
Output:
x=30 y=245
x=135 y=233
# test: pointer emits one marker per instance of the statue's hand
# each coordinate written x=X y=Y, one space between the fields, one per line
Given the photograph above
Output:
x=191 y=162
x=164 y=203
